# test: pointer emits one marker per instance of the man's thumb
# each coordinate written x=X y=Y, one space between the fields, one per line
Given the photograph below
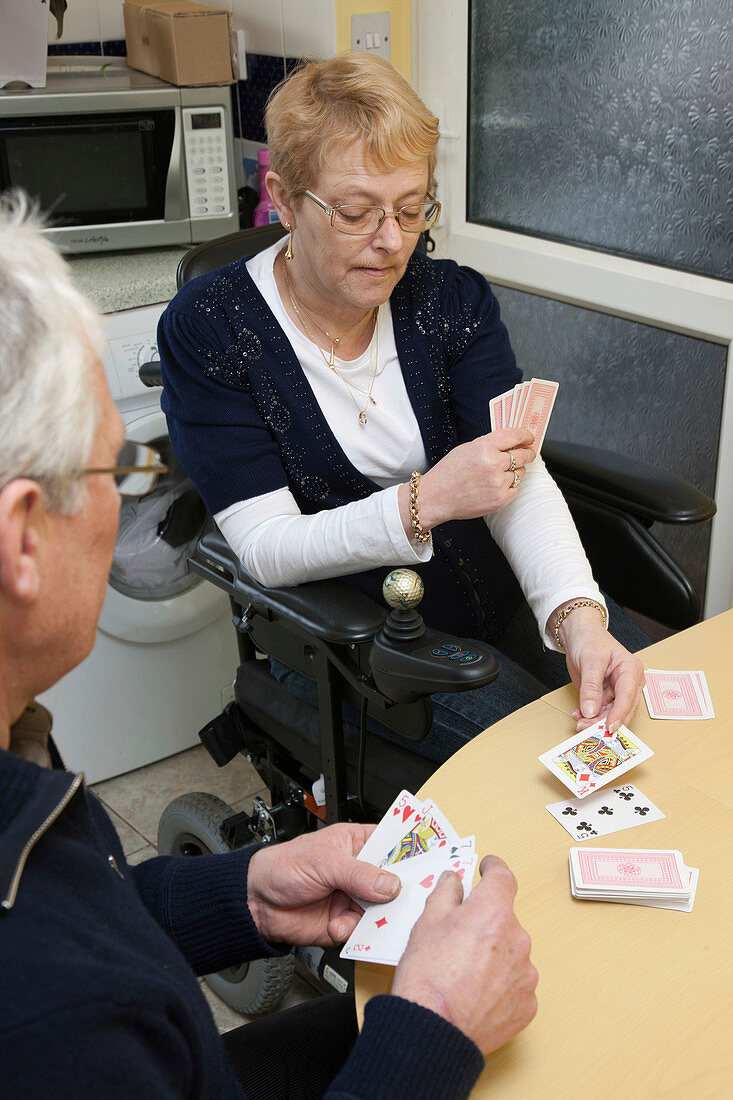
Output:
x=370 y=883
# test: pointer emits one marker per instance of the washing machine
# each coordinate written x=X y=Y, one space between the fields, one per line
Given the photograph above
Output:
x=165 y=653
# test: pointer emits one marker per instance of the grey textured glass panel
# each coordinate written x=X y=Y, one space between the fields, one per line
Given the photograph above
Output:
x=608 y=124
x=630 y=388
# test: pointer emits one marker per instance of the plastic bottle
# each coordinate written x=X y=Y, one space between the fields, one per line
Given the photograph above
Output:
x=264 y=212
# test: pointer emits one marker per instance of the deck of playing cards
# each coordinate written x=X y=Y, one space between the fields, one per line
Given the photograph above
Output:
x=595 y=757
x=417 y=843
x=528 y=405
x=683 y=696
x=637 y=876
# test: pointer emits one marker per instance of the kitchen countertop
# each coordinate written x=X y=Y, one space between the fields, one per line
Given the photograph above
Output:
x=124 y=280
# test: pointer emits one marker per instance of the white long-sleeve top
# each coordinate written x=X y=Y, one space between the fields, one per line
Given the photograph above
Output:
x=280 y=546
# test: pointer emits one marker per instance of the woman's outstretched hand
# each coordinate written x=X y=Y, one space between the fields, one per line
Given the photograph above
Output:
x=609 y=679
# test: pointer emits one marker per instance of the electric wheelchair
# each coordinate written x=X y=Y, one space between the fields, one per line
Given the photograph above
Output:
x=321 y=764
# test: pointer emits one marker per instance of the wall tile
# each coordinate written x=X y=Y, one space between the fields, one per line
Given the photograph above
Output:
x=263 y=23
x=309 y=28
x=111 y=19
x=81 y=23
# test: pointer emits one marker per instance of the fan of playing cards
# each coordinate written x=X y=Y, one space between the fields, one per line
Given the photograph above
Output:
x=417 y=843
x=528 y=405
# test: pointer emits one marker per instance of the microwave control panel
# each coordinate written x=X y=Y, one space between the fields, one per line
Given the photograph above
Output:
x=207 y=167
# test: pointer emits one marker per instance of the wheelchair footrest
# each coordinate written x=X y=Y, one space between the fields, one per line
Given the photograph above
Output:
x=266 y=824
x=222 y=737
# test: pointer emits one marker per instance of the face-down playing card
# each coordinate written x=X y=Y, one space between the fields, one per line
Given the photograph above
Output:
x=677 y=695
x=592 y=759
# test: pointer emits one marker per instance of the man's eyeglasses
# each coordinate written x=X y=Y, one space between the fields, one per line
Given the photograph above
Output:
x=138 y=469
x=361 y=221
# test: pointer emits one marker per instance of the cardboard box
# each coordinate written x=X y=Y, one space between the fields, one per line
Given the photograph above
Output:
x=182 y=42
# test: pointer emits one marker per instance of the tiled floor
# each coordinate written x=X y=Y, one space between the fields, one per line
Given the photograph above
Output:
x=136 y=800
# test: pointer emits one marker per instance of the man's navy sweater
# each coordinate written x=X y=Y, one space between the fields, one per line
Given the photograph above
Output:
x=98 y=961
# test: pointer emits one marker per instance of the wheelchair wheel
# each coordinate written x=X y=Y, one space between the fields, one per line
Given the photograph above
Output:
x=190 y=826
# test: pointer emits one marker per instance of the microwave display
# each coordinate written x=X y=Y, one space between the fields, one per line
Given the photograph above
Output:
x=94 y=169
x=207 y=121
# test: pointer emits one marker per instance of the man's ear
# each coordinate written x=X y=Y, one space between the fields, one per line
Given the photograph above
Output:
x=280 y=198
x=21 y=512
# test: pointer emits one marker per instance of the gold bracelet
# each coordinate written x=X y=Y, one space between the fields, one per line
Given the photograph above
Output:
x=571 y=607
x=419 y=532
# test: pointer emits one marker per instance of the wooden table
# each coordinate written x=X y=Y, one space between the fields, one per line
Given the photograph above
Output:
x=633 y=1001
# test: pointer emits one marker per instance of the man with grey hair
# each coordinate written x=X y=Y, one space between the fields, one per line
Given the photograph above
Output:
x=98 y=959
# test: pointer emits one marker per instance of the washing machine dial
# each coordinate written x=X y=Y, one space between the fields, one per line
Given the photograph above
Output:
x=147 y=353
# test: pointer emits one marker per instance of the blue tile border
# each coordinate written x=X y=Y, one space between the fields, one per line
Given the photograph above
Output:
x=113 y=47
x=264 y=72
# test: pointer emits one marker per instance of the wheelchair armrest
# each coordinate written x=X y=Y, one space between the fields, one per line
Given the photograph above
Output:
x=331 y=610
x=625 y=483
x=150 y=374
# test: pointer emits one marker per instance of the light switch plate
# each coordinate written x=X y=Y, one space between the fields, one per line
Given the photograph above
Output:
x=373 y=33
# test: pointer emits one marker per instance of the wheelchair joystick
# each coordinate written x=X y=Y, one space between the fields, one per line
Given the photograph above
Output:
x=403 y=590
x=409 y=660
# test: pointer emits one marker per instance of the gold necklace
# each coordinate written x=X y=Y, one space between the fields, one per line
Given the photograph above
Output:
x=335 y=340
x=329 y=361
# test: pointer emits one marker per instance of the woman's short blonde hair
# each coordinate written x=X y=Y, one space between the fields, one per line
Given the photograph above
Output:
x=327 y=105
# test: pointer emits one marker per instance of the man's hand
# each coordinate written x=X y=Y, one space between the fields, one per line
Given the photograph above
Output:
x=296 y=890
x=609 y=679
x=468 y=960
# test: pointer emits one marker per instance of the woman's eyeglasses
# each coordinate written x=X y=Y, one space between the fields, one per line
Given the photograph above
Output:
x=137 y=471
x=361 y=221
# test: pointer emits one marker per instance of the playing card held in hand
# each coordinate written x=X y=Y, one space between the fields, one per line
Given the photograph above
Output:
x=592 y=759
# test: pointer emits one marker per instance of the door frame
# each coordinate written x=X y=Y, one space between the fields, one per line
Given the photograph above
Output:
x=677 y=301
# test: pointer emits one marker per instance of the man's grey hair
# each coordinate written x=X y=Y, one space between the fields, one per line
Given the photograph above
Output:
x=49 y=334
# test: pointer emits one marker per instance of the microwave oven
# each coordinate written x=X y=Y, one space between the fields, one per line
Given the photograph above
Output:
x=118 y=159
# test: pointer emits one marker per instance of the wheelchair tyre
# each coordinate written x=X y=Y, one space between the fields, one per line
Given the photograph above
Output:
x=191 y=826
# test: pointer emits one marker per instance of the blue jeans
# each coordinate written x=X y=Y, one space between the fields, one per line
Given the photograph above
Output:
x=528 y=671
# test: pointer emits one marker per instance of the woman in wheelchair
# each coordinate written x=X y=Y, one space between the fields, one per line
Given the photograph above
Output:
x=329 y=397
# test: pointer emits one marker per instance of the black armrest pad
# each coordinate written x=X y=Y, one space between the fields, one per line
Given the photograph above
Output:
x=332 y=610
x=150 y=374
x=625 y=483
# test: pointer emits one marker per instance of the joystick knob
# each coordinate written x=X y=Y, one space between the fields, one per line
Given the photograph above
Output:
x=403 y=588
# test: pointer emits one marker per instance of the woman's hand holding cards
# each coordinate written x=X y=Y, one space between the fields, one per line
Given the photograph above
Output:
x=468 y=961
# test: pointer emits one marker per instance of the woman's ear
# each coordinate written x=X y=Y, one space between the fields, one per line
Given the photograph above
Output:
x=280 y=199
x=21 y=509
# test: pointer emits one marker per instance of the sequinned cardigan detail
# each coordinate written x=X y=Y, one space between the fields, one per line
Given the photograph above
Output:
x=243 y=419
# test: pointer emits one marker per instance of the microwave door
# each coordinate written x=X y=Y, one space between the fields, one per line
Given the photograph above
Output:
x=98 y=176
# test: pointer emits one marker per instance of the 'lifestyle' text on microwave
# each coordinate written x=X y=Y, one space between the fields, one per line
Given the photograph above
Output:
x=118 y=159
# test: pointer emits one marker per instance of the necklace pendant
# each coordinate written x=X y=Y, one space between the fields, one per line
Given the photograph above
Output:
x=362 y=418
x=331 y=363
x=372 y=399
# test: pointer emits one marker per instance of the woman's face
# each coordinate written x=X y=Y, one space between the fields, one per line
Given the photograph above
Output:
x=357 y=271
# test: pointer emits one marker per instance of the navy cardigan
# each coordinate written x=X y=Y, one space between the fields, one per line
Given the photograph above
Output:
x=243 y=419
x=98 y=960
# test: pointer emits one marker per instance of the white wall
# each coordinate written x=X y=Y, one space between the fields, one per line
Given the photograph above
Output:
x=290 y=28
